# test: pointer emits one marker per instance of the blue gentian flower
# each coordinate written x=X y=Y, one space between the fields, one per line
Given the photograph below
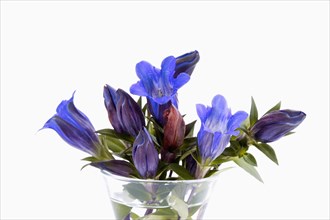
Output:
x=74 y=127
x=159 y=85
x=186 y=63
x=217 y=126
x=124 y=113
x=145 y=156
x=276 y=124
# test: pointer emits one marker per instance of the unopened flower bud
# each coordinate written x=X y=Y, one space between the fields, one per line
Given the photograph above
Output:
x=145 y=155
x=276 y=124
x=124 y=113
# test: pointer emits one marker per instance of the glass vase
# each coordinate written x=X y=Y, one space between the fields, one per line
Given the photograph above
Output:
x=158 y=199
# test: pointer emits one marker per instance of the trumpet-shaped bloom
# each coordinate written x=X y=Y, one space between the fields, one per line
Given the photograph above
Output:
x=124 y=113
x=159 y=85
x=276 y=124
x=74 y=127
x=145 y=155
x=186 y=63
x=217 y=126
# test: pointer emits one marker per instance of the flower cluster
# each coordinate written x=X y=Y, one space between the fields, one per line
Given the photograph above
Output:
x=150 y=139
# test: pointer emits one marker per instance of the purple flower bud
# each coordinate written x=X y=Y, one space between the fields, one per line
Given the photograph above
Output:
x=174 y=131
x=117 y=167
x=276 y=124
x=145 y=155
x=74 y=127
x=124 y=113
x=186 y=63
x=191 y=165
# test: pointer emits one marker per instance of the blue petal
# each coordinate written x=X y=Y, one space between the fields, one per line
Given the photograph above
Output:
x=147 y=74
x=219 y=102
x=68 y=112
x=162 y=100
x=182 y=79
x=72 y=135
x=202 y=112
x=235 y=121
x=138 y=89
x=168 y=65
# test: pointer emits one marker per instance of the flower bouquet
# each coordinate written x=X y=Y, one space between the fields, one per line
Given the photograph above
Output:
x=154 y=166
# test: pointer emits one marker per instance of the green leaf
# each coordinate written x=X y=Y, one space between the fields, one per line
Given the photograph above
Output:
x=113 y=144
x=268 y=151
x=275 y=108
x=114 y=134
x=90 y=159
x=289 y=133
x=249 y=158
x=178 y=205
x=190 y=129
x=120 y=210
x=181 y=171
x=253 y=113
x=229 y=151
x=162 y=214
x=139 y=102
x=247 y=167
x=138 y=191
x=188 y=152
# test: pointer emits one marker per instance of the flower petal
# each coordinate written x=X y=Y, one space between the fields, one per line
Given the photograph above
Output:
x=235 y=121
x=182 y=79
x=138 y=89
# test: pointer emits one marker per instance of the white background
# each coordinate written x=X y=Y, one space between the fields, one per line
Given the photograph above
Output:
x=273 y=51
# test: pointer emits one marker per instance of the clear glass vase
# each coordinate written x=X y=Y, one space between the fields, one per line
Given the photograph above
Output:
x=158 y=199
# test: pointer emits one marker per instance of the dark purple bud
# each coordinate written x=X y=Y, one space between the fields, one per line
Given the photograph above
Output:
x=124 y=113
x=191 y=165
x=174 y=132
x=145 y=155
x=74 y=127
x=276 y=124
x=117 y=167
x=186 y=63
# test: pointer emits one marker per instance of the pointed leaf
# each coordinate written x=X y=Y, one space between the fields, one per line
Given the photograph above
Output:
x=247 y=167
x=268 y=151
x=190 y=129
x=181 y=171
x=249 y=158
x=90 y=159
x=178 y=205
x=120 y=210
x=275 y=108
x=113 y=144
x=139 y=102
x=253 y=113
x=114 y=134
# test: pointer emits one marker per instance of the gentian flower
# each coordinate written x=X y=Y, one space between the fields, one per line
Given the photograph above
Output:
x=159 y=85
x=145 y=155
x=74 y=127
x=217 y=126
x=186 y=63
x=276 y=124
x=124 y=113
x=174 y=132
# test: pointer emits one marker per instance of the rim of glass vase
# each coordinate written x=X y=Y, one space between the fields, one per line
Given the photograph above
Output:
x=128 y=179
